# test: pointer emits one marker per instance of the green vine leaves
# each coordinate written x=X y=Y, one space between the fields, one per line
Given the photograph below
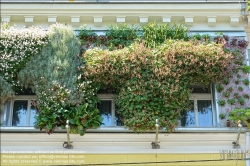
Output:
x=154 y=83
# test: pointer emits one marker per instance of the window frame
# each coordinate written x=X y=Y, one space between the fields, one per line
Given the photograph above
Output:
x=20 y=97
x=203 y=96
x=194 y=96
x=109 y=97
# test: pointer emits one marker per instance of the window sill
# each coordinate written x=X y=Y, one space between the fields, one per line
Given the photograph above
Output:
x=125 y=130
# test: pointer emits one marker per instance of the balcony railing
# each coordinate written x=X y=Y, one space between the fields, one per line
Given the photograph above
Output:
x=122 y=1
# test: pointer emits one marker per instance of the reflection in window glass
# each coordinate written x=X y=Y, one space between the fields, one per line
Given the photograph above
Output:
x=188 y=117
x=205 y=117
x=118 y=118
x=6 y=115
x=33 y=114
x=105 y=108
x=19 y=113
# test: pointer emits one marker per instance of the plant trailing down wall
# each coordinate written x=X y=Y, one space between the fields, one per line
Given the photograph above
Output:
x=17 y=46
x=151 y=78
x=55 y=80
x=52 y=73
x=154 y=83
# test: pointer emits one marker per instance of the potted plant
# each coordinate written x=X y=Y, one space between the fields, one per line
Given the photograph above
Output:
x=230 y=89
x=237 y=81
x=246 y=96
x=219 y=87
x=222 y=117
x=241 y=114
x=222 y=102
x=226 y=94
x=231 y=101
x=225 y=81
x=240 y=88
x=206 y=37
x=246 y=81
x=241 y=101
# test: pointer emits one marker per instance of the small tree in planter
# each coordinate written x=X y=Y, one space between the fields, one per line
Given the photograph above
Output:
x=241 y=114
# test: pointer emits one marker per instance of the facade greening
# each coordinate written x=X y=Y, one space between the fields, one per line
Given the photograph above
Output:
x=120 y=49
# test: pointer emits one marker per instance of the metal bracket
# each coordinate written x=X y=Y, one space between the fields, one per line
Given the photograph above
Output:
x=67 y=144
x=236 y=143
x=155 y=144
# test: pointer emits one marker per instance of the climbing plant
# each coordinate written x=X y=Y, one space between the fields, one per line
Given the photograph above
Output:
x=151 y=74
x=154 y=83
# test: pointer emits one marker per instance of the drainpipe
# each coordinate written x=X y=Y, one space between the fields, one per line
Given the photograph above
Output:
x=216 y=106
x=247 y=148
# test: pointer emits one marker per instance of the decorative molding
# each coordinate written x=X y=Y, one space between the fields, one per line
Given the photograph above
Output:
x=234 y=21
x=6 y=18
x=98 y=21
x=166 y=19
x=75 y=19
x=189 y=20
x=52 y=19
x=143 y=19
x=29 y=19
x=120 y=19
x=211 y=20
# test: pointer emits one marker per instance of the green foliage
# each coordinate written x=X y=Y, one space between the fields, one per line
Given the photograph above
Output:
x=222 y=102
x=231 y=101
x=154 y=83
x=53 y=75
x=241 y=114
x=80 y=119
x=152 y=78
x=117 y=36
x=222 y=115
x=219 y=88
x=246 y=81
x=154 y=34
x=235 y=81
x=245 y=69
x=87 y=36
x=16 y=49
x=121 y=35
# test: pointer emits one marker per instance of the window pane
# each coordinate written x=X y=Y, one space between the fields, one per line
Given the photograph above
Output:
x=6 y=115
x=205 y=116
x=118 y=118
x=19 y=113
x=188 y=117
x=105 y=108
x=33 y=114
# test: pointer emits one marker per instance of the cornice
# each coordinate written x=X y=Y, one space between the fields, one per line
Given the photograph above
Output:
x=129 y=9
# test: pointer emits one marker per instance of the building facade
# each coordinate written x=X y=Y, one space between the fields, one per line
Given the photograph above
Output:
x=203 y=140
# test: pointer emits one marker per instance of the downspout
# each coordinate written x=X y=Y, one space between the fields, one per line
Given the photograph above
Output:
x=247 y=148
x=216 y=105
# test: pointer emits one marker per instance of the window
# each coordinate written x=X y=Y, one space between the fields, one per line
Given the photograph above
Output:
x=19 y=112
x=108 y=112
x=200 y=112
